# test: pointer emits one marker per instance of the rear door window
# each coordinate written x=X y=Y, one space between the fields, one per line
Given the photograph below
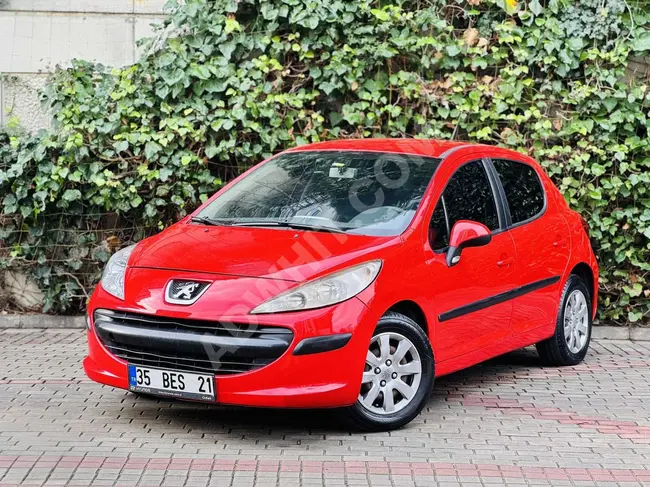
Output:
x=523 y=189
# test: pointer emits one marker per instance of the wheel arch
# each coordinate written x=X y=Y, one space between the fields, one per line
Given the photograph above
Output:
x=414 y=311
x=585 y=272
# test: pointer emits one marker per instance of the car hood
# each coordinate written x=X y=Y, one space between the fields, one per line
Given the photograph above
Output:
x=274 y=253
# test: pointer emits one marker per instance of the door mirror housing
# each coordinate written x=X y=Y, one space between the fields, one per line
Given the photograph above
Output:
x=466 y=233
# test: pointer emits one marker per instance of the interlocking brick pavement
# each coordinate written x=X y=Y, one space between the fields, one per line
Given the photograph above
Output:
x=506 y=422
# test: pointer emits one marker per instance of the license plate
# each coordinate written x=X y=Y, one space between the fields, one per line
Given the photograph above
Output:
x=171 y=383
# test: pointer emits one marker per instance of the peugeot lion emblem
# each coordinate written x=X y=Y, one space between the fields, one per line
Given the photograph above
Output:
x=184 y=292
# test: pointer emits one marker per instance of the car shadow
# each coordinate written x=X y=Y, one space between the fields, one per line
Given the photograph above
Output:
x=242 y=421
x=279 y=423
x=493 y=369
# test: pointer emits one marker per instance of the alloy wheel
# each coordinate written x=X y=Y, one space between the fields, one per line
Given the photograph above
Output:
x=576 y=321
x=392 y=374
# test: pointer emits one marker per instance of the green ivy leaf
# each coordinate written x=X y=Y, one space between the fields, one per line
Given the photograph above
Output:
x=575 y=43
x=269 y=12
x=452 y=50
x=121 y=146
x=227 y=48
x=232 y=26
x=379 y=14
x=311 y=22
x=635 y=290
x=173 y=77
x=211 y=150
x=634 y=316
x=642 y=43
x=595 y=195
x=610 y=104
x=10 y=204
x=536 y=7
x=597 y=169
x=71 y=195
x=151 y=149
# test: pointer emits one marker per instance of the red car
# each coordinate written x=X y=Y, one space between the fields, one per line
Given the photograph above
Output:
x=349 y=274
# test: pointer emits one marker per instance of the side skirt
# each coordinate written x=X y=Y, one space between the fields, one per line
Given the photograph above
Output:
x=508 y=345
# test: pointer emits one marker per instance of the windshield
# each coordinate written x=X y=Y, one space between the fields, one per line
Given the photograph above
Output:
x=364 y=193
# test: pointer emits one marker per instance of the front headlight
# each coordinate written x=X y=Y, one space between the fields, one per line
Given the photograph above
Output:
x=113 y=275
x=324 y=291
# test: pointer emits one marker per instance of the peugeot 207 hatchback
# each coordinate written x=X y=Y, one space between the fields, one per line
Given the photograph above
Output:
x=348 y=274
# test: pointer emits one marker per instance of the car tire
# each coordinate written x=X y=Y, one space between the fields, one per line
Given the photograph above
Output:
x=394 y=329
x=570 y=342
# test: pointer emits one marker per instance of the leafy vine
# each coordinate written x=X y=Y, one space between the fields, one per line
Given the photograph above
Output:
x=226 y=83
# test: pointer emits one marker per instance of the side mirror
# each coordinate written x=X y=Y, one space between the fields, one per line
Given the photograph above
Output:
x=466 y=233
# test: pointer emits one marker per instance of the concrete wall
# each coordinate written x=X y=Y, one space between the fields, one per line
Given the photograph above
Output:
x=639 y=67
x=38 y=35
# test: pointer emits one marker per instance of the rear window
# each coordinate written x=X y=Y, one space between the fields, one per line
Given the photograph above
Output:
x=523 y=189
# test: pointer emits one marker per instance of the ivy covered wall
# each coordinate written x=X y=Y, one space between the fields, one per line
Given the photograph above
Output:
x=229 y=82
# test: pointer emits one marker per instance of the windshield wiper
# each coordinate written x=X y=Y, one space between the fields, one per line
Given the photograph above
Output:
x=315 y=228
x=297 y=226
x=209 y=221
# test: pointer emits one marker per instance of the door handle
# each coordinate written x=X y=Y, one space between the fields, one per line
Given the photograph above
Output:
x=559 y=242
x=506 y=261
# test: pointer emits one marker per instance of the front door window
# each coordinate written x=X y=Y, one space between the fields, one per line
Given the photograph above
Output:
x=467 y=196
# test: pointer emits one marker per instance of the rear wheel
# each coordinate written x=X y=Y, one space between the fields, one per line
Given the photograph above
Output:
x=570 y=343
x=397 y=378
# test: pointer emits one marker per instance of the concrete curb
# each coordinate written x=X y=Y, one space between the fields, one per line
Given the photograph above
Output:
x=40 y=321
x=634 y=333
x=610 y=333
x=36 y=321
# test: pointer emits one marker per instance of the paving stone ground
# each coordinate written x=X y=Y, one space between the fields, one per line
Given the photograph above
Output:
x=506 y=422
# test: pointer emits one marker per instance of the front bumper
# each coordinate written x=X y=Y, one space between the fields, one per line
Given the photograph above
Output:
x=302 y=377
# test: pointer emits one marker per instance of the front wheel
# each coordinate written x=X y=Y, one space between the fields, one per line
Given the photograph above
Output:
x=397 y=377
x=569 y=344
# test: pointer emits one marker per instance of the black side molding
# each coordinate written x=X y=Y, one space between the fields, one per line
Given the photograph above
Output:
x=322 y=344
x=498 y=298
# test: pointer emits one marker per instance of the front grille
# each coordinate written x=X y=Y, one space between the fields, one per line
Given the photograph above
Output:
x=190 y=345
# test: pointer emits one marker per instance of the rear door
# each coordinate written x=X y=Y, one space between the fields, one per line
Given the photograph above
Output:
x=541 y=236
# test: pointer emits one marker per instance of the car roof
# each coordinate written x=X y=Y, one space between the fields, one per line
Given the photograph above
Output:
x=421 y=147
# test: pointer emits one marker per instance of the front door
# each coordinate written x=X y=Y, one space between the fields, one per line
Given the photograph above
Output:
x=470 y=305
